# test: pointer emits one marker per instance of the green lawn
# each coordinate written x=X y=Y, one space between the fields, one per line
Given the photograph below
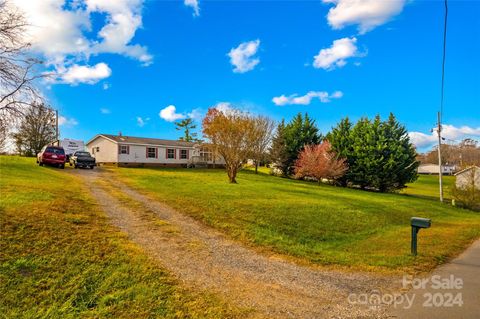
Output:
x=426 y=186
x=59 y=258
x=318 y=223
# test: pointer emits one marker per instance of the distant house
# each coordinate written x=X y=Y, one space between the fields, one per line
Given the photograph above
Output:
x=468 y=177
x=432 y=169
x=139 y=151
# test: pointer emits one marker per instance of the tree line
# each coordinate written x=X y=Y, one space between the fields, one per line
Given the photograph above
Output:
x=462 y=154
x=370 y=154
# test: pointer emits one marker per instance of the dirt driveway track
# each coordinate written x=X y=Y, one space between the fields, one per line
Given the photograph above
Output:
x=205 y=259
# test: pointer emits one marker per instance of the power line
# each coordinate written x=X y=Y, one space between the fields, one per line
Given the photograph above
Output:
x=440 y=113
x=443 y=59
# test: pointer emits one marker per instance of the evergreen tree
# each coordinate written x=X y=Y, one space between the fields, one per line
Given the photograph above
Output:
x=187 y=125
x=379 y=154
x=399 y=165
x=278 y=150
x=290 y=139
x=341 y=143
x=299 y=132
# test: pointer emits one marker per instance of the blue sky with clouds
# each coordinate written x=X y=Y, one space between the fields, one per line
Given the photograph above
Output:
x=135 y=66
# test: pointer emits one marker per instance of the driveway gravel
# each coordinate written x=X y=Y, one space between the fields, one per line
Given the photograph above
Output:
x=205 y=259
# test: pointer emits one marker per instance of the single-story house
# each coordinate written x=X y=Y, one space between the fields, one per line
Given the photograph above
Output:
x=468 y=177
x=432 y=169
x=123 y=150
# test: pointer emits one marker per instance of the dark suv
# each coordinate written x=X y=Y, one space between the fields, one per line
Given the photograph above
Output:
x=53 y=155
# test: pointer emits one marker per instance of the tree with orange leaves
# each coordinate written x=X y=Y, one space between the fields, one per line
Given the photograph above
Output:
x=319 y=162
x=230 y=134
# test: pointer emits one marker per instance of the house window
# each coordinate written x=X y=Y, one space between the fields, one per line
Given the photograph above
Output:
x=183 y=154
x=151 y=152
x=170 y=153
x=123 y=149
x=98 y=149
x=206 y=155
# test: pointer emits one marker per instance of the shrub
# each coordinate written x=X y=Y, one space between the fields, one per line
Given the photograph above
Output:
x=319 y=162
x=468 y=194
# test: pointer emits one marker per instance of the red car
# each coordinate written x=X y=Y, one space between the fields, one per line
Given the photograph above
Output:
x=53 y=155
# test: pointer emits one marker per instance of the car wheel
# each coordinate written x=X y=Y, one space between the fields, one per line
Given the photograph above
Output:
x=91 y=167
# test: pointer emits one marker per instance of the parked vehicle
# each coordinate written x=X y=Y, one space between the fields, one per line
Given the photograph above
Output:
x=52 y=155
x=82 y=159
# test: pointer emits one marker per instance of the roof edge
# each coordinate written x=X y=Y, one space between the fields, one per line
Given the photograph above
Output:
x=97 y=136
x=467 y=169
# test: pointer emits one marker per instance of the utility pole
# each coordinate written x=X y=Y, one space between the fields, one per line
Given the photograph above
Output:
x=57 y=135
x=440 y=181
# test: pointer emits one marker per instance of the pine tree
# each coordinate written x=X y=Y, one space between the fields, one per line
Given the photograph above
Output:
x=341 y=142
x=379 y=154
x=278 y=150
x=187 y=125
x=290 y=139
x=299 y=132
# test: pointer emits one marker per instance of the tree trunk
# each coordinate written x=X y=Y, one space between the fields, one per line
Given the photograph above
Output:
x=256 y=167
x=232 y=173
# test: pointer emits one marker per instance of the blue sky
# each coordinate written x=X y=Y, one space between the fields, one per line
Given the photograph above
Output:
x=117 y=64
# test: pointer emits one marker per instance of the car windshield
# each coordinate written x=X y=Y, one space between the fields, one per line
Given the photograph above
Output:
x=55 y=150
x=82 y=153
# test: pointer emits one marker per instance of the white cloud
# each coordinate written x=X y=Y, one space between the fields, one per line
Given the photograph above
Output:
x=170 y=114
x=84 y=74
x=54 y=31
x=224 y=107
x=104 y=110
x=106 y=86
x=306 y=99
x=449 y=132
x=61 y=30
x=196 y=114
x=64 y=121
x=142 y=121
x=124 y=17
x=242 y=57
x=368 y=14
x=195 y=6
x=336 y=55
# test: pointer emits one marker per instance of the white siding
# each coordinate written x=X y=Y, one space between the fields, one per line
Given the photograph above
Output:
x=465 y=179
x=433 y=169
x=138 y=154
x=107 y=150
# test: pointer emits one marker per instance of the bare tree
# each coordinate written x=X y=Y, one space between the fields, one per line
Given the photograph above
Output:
x=3 y=135
x=37 y=128
x=17 y=67
x=261 y=139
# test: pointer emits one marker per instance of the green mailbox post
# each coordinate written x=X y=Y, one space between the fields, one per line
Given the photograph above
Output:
x=417 y=223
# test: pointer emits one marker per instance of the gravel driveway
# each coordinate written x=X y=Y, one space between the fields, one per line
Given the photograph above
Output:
x=205 y=259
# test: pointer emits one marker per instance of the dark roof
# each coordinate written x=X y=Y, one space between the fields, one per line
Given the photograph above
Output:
x=146 y=140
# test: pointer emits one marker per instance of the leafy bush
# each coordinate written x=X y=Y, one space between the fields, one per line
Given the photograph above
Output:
x=467 y=197
x=319 y=162
x=468 y=194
